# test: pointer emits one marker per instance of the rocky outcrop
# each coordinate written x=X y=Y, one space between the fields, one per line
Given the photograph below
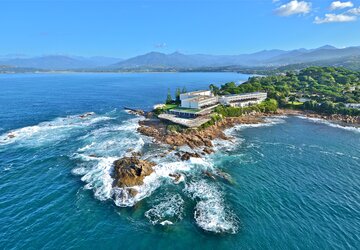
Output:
x=185 y=156
x=346 y=119
x=86 y=115
x=150 y=131
x=208 y=151
x=131 y=171
x=135 y=111
x=192 y=137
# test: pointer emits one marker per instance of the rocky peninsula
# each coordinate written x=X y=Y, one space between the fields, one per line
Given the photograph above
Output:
x=131 y=171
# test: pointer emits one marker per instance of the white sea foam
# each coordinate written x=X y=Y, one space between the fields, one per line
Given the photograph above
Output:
x=211 y=214
x=55 y=130
x=161 y=175
x=169 y=209
x=231 y=144
x=102 y=146
x=98 y=177
x=331 y=124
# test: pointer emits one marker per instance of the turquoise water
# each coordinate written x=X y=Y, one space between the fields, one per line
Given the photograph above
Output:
x=295 y=183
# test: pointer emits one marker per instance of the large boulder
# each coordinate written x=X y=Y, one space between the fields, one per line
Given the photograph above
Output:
x=149 y=131
x=131 y=171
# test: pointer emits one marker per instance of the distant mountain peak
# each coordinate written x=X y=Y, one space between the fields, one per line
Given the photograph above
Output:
x=327 y=47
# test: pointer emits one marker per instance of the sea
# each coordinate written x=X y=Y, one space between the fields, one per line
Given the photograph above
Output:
x=291 y=183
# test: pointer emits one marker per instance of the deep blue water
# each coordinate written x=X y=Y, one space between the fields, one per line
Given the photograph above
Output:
x=295 y=182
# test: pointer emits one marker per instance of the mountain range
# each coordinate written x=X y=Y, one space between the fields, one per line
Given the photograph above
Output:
x=178 y=61
x=58 y=62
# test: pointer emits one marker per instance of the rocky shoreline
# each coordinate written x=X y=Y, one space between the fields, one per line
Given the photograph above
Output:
x=194 y=138
x=345 y=120
x=131 y=171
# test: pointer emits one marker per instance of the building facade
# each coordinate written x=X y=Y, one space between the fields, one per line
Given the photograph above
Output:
x=243 y=100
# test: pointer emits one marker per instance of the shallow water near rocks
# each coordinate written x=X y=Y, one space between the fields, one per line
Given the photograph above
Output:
x=295 y=182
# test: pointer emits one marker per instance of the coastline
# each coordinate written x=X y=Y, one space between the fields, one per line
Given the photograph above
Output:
x=344 y=120
x=185 y=144
x=201 y=140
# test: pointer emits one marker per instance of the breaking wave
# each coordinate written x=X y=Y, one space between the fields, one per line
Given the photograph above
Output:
x=211 y=213
x=50 y=131
x=168 y=211
x=331 y=124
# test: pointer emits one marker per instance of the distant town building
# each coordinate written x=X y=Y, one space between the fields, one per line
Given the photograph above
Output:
x=353 y=105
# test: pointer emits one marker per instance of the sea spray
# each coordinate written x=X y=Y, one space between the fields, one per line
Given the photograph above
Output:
x=331 y=124
x=168 y=210
x=211 y=213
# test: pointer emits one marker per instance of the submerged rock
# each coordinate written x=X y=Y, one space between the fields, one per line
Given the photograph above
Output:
x=86 y=115
x=176 y=177
x=209 y=174
x=135 y=111
x=208 y=150
x=10 y=136
x=185 y=156
x=131 y=171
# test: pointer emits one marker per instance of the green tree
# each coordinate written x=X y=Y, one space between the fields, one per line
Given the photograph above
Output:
x=177 y=95
x=214 y=89
x=169 y=99
x=292 y=99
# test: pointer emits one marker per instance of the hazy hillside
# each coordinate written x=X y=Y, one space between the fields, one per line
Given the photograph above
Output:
x=57 y=62
x=324 y=56
x=264 y=58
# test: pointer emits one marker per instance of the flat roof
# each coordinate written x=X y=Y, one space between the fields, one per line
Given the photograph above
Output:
x=200 y=98
x=252 y=93
x=190 y=123
x=195 y=92
x=186 y=110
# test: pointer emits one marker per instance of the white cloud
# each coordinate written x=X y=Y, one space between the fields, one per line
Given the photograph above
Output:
x=341 y=5
x=160 y=45
x=333 y=18
x=354 y=11
x=294 y=7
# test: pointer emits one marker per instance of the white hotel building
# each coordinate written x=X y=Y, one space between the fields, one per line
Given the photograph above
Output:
x=198 y=99
x=199 y=103
x=243 y=100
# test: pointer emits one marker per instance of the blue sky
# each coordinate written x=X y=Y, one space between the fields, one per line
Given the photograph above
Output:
x=126 y=28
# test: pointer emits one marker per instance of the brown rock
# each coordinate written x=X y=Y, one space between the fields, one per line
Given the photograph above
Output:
x=85 y=115
x=207 y=143
x=187 y=155
x=132 y=192
x=10 y=136
x=208 y=151
x=210 y=175
x=176 y=177
x=131 y=171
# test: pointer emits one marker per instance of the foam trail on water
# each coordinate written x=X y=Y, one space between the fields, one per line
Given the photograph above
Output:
x=169 y=209
x=211 y=213
x=331 y=124
x=234 y=141
x=50 y=131
x=160 y=176
x=101 y=147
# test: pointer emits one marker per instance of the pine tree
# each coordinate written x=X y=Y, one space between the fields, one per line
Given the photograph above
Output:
x=177 y=95
x=169 y=99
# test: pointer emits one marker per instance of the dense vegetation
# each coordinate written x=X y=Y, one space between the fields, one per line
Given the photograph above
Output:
x=322 y=89
x=267 y=106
